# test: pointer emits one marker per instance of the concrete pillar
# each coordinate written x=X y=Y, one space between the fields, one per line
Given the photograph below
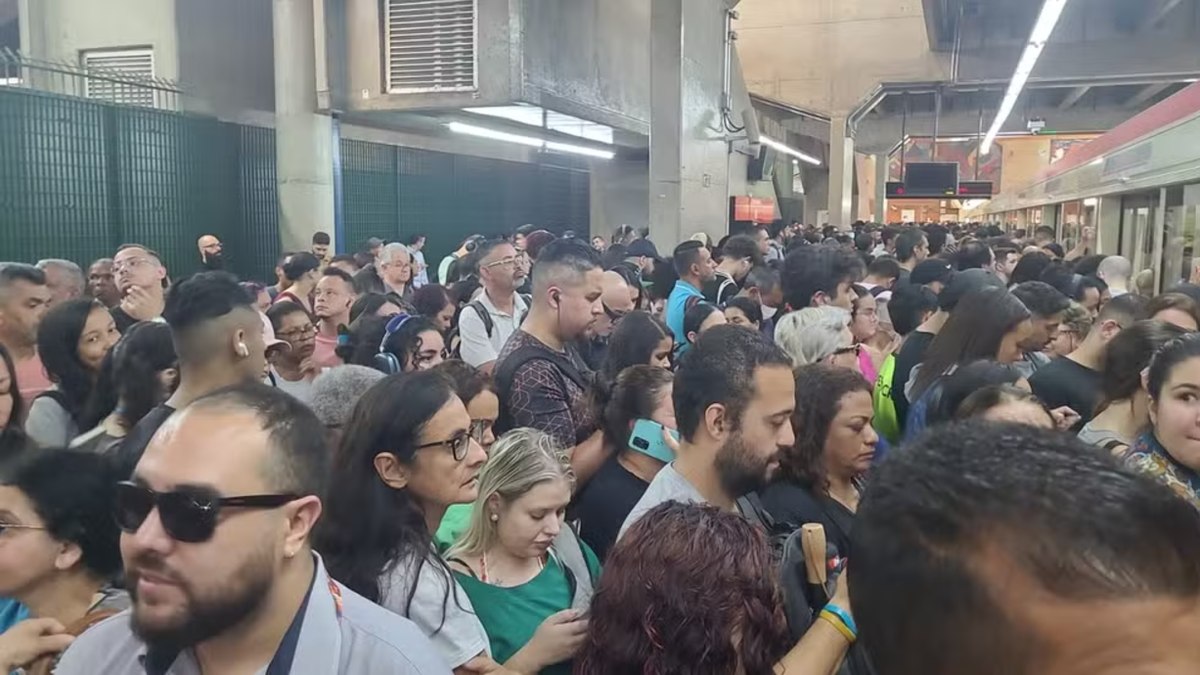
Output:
x=303 y=138
x=689 y=157
x=841 y=174
x=881 y=177
x=619 y=195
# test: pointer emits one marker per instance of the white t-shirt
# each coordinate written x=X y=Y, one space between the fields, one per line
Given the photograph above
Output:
x=418 y=260
x=301 y=390
x=447 y=619
x=477 y=347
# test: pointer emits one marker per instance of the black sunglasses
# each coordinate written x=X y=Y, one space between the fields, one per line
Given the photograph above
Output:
x=190 y=516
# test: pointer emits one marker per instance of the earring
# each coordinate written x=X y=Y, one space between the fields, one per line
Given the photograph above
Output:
x=495 y=517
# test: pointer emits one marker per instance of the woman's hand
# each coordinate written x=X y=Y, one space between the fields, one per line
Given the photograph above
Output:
x=30 y=640
x=555 y=641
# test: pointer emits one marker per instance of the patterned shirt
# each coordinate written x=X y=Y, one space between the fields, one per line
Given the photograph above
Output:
x=1149 y=457
x=543 y=397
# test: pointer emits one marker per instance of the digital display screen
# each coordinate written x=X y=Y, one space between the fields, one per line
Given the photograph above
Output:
x=931 y=178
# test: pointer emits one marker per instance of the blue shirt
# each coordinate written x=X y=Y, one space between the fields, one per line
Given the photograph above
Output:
x=677 y=306
x=11 y=613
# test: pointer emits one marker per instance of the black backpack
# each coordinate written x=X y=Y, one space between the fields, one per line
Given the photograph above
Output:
x=507 y=369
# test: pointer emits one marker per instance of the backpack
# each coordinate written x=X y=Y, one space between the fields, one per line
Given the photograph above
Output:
x=507 y=369
x=568 y=551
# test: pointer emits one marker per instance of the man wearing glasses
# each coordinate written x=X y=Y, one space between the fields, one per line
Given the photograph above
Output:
x=486 y=323
x=142 y=282
x=215 y=538
x=617 y=301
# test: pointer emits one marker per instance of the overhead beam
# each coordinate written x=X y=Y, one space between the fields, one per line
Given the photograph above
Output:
x=1073 y=97
x=1159 y=16
x=1145 y=94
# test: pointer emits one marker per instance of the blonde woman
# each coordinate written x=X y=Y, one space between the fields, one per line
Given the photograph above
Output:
x=527 y=574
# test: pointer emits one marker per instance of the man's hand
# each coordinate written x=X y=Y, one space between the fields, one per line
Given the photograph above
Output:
x=30 y=640
x=139 y=304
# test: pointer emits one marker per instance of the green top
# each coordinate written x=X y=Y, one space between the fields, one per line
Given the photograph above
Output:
x=510 y=616
x=454 y=525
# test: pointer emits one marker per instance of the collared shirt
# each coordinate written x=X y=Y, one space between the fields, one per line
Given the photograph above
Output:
x=421 y=270
x=676 y=307
x=477 y=347
x=342 y=634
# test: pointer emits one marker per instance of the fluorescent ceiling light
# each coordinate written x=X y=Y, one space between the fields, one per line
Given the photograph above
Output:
x=1098 y=161
x=772 y=143
x=492 y=134
x=1051 y=11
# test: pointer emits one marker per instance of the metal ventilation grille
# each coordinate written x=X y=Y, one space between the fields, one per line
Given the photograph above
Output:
x=120 y=75
x=431 y=46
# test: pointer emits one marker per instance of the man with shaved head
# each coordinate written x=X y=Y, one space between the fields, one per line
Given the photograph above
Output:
x=218 y=337
x=210 y=252
x=617 y=301
x=542 y=379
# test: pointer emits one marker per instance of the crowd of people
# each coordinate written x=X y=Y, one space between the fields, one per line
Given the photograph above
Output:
x=899 y=450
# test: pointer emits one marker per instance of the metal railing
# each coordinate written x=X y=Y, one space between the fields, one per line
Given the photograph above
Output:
x=70 y=79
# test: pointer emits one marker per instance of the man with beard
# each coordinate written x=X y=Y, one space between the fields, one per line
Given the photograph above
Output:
x=210 y=253
x=215 y=539
x=293 y=369
x=101 y=284
x=142 y=283
x=734 y=395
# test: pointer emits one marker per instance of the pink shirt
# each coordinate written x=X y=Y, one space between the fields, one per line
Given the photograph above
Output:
x=31 y=378
x=323 y=354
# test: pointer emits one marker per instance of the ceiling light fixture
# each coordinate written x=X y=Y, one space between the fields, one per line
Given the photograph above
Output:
x=531 y=141
x=787 y=150
x=1051 y=11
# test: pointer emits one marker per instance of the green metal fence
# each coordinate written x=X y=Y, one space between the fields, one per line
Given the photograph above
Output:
x=79 y=177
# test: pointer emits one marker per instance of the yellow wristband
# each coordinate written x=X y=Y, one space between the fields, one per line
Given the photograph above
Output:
x=833 y=620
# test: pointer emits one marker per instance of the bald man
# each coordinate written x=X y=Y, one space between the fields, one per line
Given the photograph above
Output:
x=617 y=300
x=210 y=252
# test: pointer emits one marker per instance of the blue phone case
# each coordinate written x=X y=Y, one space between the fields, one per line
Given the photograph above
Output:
x=647 y=438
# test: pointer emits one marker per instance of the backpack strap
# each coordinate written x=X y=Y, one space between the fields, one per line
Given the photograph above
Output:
x=570 y=554
x=726 y=283
x=507 y=370
x=484 y=316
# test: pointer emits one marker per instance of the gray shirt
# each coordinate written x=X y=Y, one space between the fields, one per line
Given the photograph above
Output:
x=667 y=486
x=1094 y=435
x=49 y=424
x=357 y=637
x=439 y=607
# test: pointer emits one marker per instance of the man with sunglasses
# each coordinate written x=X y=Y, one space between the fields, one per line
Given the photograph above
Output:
x=218 y=337
x=617 y=301
x=215 y=539
x=487 y=323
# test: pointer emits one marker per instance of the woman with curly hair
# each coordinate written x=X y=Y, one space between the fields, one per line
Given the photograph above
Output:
x=688 y=590
x=819 y=476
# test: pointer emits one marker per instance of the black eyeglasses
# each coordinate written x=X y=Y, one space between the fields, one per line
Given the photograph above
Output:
x=612 y=313
x=459 y=443
x=190 y=516
x=852 y=349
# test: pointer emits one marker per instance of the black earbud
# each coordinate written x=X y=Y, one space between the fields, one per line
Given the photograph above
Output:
x=557 y=298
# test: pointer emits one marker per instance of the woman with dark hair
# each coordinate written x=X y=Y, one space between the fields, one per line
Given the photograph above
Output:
x=144 y=372
x=13 y=442
x=1175 y=308
x=699 y=318
x=433 y=302
x=478 y=392
x=60 y=557
x=689 y=590
x=819 y=478
x=303 y=271
x=406 y=455
x=640 y=395
x=864 y=325
x=968 y=379
x=1007 y=403
x=73 y=339
x=1124 y=409
x=262 y=299
x=743 y=311
x=1168 y=451
x=987 y=324
x=374 y=304
x=639 y=339
x=400 y=344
